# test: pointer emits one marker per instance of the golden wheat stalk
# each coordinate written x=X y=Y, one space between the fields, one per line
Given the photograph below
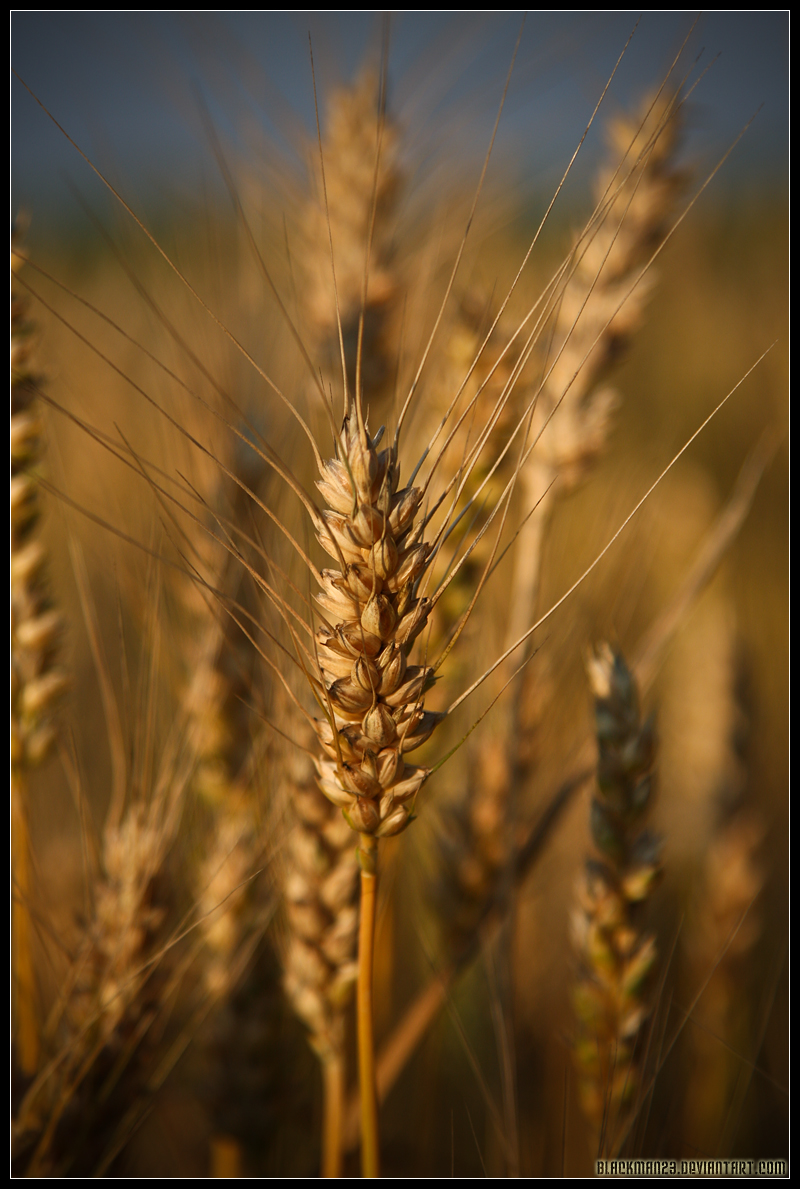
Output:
x=600 y=302
x=37 y=681
x=115 y=988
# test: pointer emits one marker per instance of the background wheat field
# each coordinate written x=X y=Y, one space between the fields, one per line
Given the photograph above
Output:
x=184 y=898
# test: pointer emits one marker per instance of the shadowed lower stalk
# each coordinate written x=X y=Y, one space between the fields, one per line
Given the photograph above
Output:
x=334 y=1086
x=368 y=858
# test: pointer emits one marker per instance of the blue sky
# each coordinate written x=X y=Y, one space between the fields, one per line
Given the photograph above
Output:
x=126 y=86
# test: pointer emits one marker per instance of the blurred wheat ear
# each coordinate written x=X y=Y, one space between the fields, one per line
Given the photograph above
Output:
x=98 y=1074
x=559 y=385
x=618 y=961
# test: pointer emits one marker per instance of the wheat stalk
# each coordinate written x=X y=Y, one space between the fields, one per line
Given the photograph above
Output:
x=114 y=990
x=37 y=680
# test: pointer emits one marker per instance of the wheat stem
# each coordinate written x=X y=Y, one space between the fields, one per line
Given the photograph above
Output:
x=226 y=1157
x=23 y=990
x=367 y=854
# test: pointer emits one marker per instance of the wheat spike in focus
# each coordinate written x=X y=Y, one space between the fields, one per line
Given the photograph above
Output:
x=376 y=698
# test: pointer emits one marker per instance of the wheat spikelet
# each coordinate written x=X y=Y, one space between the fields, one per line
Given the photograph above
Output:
x=36 y=680
x=320 y=890
x=372 y=698
x=128 y=918
x=215 y=680
x=231 y=870
x=320 y=878
x=495 y=395
x=618 y=960
x=215 y=689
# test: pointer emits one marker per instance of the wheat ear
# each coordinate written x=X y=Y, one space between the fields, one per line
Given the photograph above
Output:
x=363 y=184
x=618 y=960
x=116 y=985
x=603 y=296
x=352 y=205
x=37 y=680
x=110 y=999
